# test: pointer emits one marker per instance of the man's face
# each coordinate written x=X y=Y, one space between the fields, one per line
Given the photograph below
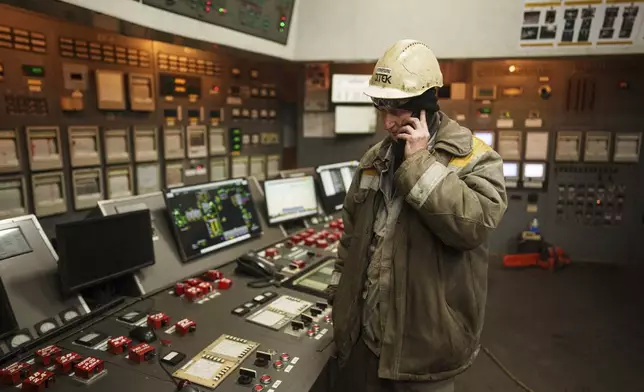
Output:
x=394 y=119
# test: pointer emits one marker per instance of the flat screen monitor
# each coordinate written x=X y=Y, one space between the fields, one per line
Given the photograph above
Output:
x=96 y=250
x=534 y=171
x=8 y=322
x=511 y=170
x=335 y=180
x=486 y=136
x=301 y=172
x=208 y=217
x=290 y=199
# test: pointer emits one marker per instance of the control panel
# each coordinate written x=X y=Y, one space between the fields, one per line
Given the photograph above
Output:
x=92 y=115
x=265 y=19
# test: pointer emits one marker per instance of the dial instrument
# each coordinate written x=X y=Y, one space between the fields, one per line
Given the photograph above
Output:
x=19 y=338
x=68 y=315
x=46 y=326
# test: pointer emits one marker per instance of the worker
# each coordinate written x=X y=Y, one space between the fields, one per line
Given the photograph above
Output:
x=410 y=284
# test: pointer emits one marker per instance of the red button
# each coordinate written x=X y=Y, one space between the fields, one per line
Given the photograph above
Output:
x=323 y=234
x=322 y=244
x=333 y=224
x=299 y=263
x=341 y=226
x=224 y=284
x=296 y=239
x=304 y=235
x=310 y=231
x=258 y=388
x=206 y=287
x=332 y=238
x=340 y=221
x=213 y=275
x=270 y=252
x=265 y=379
x=179 y=288
x=310 y=241
x=278 y=364
x=285 y=357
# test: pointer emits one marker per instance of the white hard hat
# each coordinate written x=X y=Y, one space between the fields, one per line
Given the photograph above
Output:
x=406 y=70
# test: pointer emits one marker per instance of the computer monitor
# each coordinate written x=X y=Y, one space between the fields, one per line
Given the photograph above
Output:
x=511 y=174
x=290 y=199
x=208 y=217
x=300 y=172
x=534 y=174
x=335 y=180
x=8 y=322
x=93 y=251
x=486 y=136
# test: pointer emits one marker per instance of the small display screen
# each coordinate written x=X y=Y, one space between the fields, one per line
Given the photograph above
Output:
x=34 y=71
x=193 y=114
x=335 y=180
x=289 y=199
x=13 y=243
x=212 y=216
x=534 y=170
x=113 y=246
x=510 y=169
x=315 y=280
x=486 y=137
x=486 y=92
x=179 y=86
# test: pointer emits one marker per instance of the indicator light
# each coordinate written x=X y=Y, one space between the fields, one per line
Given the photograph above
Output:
x=207 y=9
x=282 y=24
x=283 y=18
x=208 y=3
x=512 y=68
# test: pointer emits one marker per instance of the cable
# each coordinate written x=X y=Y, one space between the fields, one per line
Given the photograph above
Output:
x=505 y=370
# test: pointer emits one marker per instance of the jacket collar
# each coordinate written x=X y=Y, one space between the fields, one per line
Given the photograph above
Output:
x=448 y=134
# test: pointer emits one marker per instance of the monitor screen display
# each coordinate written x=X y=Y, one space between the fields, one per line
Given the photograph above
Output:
x=95 y=250
x=314 y=280
x=335 y=180
x=290 y=198
x=510 y=169
x=534 y=170
x=209 y=217
x=486 y=137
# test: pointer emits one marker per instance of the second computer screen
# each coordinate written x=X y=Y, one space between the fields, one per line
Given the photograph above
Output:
x=290 y=198
x=212 y=216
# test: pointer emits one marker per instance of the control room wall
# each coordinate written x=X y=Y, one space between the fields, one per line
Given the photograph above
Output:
x=609 y=100
x=55 y=24
x=360 y=30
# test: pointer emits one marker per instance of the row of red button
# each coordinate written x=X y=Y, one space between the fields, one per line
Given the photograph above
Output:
x=194 y=288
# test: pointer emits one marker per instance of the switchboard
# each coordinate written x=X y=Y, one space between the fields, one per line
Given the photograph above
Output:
x=88 y=188
x=117 y=146
x=13 y=197
x=77 y=97
x=9 y=151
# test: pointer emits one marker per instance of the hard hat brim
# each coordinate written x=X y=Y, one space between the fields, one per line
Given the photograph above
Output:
x=389 y=93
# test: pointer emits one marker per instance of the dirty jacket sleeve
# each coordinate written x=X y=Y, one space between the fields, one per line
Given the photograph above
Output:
x=461 y=203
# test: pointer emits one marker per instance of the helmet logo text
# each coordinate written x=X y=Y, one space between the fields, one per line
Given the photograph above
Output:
x=383 y=75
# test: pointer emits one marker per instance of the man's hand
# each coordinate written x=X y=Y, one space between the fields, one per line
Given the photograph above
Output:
x=415 y=134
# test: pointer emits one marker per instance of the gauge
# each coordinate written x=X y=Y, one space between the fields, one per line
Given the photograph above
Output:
x=68 y=315
x=46 y=326
x=19 y=338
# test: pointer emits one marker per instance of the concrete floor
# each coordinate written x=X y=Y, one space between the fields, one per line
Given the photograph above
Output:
x=577 y=330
